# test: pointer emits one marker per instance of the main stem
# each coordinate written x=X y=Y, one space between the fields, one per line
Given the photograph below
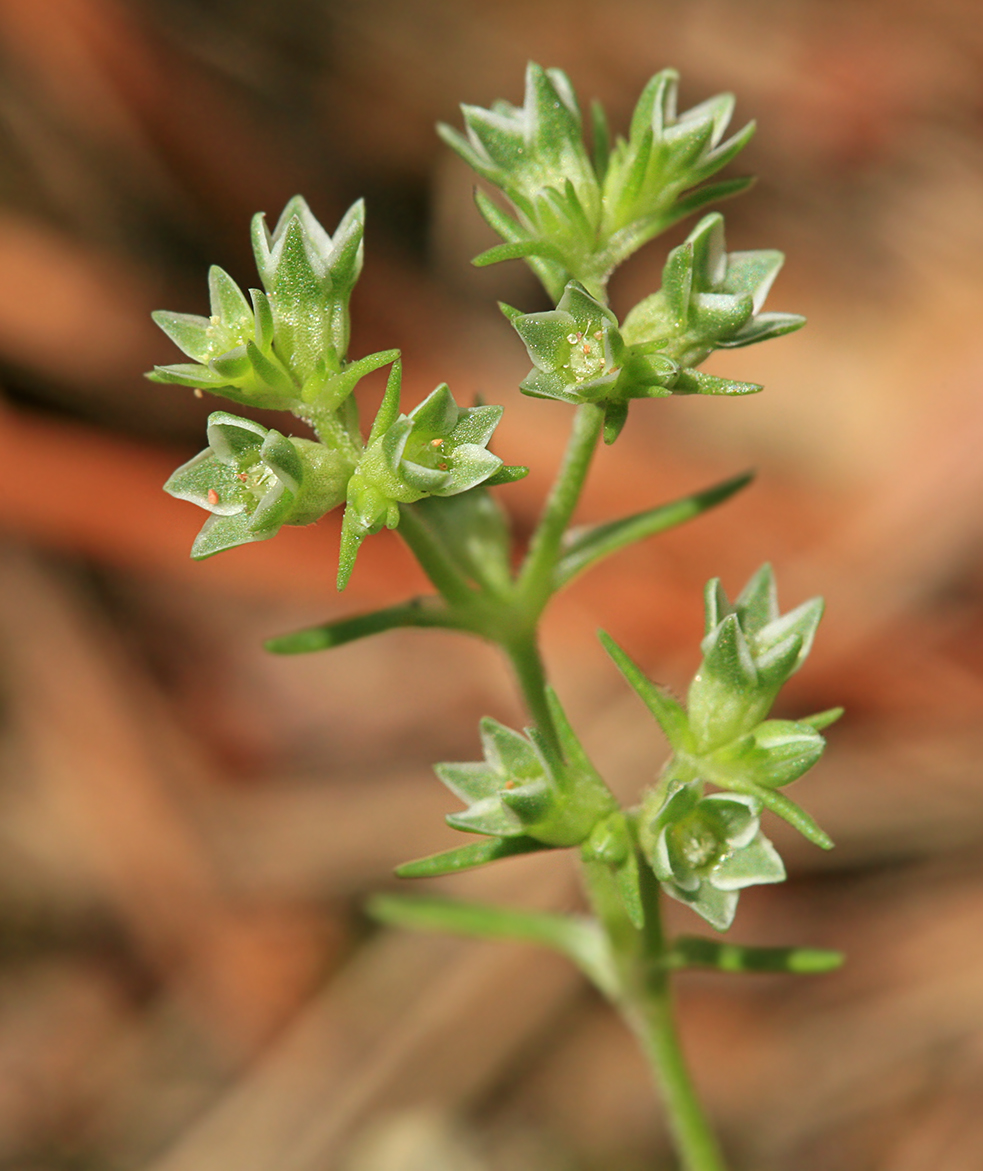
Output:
x=644 y=999
x=535 y=584
x=536 y=576
x=649 y=1010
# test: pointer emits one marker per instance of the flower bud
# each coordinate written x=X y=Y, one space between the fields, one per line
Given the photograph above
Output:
x=522 y=788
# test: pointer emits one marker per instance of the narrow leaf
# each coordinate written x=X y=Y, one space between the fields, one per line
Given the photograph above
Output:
x=416 y=612
x=823 y=719
x=581 y=940
x=467 y=857
x=670 y=714
x=603 y=540
x=389 y=407
x=690 y=951
x=698 y=199
x=601 y=136
x=794 y=814
x=518 y=250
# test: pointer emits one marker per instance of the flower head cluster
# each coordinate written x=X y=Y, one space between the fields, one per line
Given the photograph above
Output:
x=705 y=848
x=287 y=350
x=577 y=217
x=287 y=347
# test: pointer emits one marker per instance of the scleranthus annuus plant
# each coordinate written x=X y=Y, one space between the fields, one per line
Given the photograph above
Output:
x=573 y=214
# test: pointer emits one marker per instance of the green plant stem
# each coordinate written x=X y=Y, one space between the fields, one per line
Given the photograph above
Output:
x=332 y=432
x=642 y=961
x=654 y=1025
x=536 y=577
x=527 y=662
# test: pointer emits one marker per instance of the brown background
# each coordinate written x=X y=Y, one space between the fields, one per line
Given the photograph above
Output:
x=189 y=827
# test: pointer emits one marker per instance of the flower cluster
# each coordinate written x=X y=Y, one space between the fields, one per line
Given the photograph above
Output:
x=288 y=346
x=287 y=350
x=706 y=848
x=578 y=217
x=710 y=299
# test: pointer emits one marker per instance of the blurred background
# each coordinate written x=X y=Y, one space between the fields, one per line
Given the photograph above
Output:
x=188 y=827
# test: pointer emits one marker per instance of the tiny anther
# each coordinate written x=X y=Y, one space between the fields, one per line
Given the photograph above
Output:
x=587 y=349
x=198 y=393
x=242 y=477
x=442 y=467
x=599 y=334
x=436 y=442
x=212 y=496
x=510 y=784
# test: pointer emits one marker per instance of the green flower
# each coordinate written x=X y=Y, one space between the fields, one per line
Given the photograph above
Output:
x=706 y=850
x=253 y=480
x=232 y=349
x=523 y=789
x=710 y=299
x=749 y=651
x=309 y=276
x=722 y=736
x=438 y=449
x=286 y=350
x=580 y=355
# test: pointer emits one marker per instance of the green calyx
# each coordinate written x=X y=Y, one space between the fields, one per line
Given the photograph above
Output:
x=750 y=649
x=706 y=849
x=524 y=789
x=577 y=216
x=285 y=348
x=253 y=480
x=710 y=299
x=438 y=449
